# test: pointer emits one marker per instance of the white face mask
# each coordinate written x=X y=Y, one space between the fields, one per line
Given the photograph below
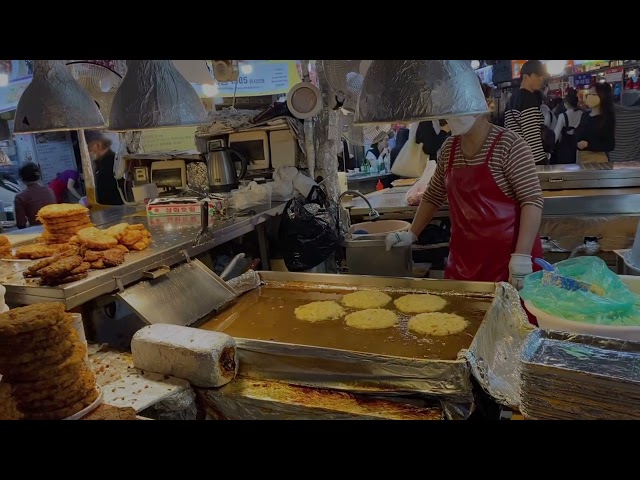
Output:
x=461 y=125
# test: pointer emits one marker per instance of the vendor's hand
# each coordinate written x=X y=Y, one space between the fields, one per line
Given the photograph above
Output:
x=519 y=267
x=399 y=239
x=385 y=151
x=582 y=144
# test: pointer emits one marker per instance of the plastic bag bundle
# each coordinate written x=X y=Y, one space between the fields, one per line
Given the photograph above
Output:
x=307 y=233
x=618 y=306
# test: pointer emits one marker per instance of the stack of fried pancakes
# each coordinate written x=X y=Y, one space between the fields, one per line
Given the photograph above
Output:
x=62 y=221
x=43 y=359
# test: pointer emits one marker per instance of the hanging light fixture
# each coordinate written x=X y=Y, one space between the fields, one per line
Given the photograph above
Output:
x=55 y=101
x=153 y=94
x=416 y=90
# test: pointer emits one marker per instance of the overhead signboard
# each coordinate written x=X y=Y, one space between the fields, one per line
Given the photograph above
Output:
x=261 y=77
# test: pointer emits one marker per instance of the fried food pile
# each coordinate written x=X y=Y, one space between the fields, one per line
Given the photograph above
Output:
x=71 y=245
x=65 y=267
x=110 y=412
x=8 y=407
x=5 y=247
x=62 y=221
x=43 y=359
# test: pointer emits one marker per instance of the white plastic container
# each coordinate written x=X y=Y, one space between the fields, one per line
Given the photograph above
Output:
x=551 y=322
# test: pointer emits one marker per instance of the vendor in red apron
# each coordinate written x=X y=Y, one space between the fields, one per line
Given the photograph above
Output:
x=487 y=176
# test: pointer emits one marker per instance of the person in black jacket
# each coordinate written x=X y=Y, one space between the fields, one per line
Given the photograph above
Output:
x=596 y=133
x=104 y=158
x=430 y=140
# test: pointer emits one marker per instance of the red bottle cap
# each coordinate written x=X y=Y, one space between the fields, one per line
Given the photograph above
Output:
x=379 y=185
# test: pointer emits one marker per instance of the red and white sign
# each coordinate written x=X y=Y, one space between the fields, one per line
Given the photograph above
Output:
x=614 y=75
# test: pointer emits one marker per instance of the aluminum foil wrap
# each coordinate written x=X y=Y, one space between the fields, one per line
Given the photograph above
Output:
x=569 y=377
x=154 y=94
x=354 y=372
x=55 y=101
x=248 y=399
x=415 y=90
x=498 y=344
x=245 y=282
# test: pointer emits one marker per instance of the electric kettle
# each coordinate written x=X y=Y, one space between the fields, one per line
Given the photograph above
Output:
x=221 y=166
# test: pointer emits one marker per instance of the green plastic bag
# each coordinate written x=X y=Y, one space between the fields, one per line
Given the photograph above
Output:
x=618 y=306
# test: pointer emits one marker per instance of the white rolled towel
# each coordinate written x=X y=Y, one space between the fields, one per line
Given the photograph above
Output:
x=203 y=357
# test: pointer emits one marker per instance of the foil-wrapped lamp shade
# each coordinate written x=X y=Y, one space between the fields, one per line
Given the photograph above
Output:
x=54 y=101
x=416 y=90
x=153 y=94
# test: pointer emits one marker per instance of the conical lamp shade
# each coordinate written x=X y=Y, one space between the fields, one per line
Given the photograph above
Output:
x=153 y=94
x=415 y=90
x=55 y=101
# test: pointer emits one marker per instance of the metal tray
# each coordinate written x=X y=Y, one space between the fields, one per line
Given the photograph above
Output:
x=359 y=372
x=569 y=376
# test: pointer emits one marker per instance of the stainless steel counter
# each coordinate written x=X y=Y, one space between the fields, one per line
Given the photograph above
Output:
x=171 y=243
x=569 y=190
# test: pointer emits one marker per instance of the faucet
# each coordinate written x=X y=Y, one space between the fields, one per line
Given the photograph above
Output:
x=372 y=212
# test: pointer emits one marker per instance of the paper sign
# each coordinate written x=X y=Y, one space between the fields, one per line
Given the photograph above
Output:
x=267 y=77
x=169 y=139
x=54 y=154
x=614 y=75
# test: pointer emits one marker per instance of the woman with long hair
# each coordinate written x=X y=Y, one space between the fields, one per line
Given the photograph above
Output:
x=595 y=135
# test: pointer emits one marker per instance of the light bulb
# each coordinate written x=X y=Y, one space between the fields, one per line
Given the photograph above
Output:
x=475 y=64
x=105 y=84
x=556 y=67
x=210 y=90
x=4 y=79
x=246 y=68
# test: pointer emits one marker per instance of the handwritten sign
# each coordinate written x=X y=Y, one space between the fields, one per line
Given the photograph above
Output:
x=169 y=139
x=54 y=154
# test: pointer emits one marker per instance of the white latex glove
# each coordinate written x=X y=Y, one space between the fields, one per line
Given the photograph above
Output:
x=399 y=239
x=519 y=267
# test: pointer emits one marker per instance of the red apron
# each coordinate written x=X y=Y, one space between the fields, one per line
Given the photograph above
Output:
x=484 y=223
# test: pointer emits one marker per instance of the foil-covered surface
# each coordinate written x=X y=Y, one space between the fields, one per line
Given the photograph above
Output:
x=569 y=377
x=494 y=351
x=153 y=94
x=354 y=372
x=245 y=282
x=416 y=90
x=55 y=101
x=250 y=399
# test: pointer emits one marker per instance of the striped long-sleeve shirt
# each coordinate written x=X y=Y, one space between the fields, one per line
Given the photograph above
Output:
x=627 y=135
x=523 y=116
x=511 y=165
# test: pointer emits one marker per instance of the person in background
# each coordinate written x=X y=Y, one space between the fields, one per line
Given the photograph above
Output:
x=377 y=154
x=549 y=119
x=392 y=140
x=568 y=121
x=523 y=114
x=487 y=176
x=99 y=145
x=402 y=136
x=491 y=101
x=28 y=202
x=64 y=186
x=432 y=134
x=596 y=132
x=627 y=134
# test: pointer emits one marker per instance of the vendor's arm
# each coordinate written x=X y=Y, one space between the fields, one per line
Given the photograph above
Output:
x=521 y=174
x=71 y=186
x=559 y=127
